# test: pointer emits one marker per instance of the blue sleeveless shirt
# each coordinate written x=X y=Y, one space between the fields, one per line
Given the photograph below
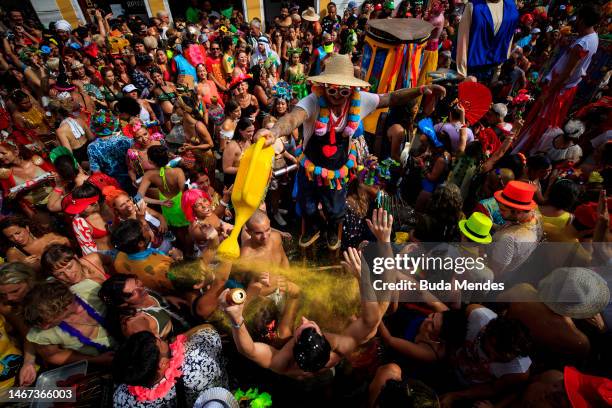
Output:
x=485 y=47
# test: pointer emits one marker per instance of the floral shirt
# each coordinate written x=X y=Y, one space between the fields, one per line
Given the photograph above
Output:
x=108 y=155
x=202 y=369
x=140 y=81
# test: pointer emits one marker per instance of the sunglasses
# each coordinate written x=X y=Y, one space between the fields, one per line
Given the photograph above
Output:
x=215 y=49
x=338 y=90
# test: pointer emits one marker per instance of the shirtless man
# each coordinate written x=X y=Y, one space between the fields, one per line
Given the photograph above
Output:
x=311 y=351
x=263 y=243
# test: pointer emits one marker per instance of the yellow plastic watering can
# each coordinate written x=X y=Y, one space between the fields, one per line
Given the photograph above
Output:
x=248 y=192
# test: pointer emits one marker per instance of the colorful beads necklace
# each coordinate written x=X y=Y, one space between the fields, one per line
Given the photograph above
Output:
x=354 y=114
x=334 y=179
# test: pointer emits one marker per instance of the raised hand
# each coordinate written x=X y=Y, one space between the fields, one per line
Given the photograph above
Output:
x=381 y=225
x=227 y=193
x=234 y=312
x=352 y=262
x=602 y=208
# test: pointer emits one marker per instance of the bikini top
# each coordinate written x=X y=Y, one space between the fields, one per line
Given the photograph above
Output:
x=166 y=96
x=97 y=233
x=109 y=95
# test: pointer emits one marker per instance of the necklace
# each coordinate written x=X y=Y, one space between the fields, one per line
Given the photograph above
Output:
x=354 y=114
x=171 y=374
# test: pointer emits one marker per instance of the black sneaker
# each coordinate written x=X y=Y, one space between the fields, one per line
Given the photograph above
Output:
x=308 y=239
x=333 y=242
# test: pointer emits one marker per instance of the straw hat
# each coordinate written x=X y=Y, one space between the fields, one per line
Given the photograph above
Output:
x=216 y=397
x=477 y=228
x=310 y=14
x=575 y=292
x=339 y=71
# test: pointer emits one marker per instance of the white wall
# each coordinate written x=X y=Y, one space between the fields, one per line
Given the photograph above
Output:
x=47 y=11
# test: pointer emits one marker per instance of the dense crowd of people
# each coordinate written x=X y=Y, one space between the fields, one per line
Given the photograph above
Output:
x=121 y=142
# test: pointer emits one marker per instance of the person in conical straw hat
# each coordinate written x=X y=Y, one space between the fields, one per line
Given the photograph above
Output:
x=331 y=115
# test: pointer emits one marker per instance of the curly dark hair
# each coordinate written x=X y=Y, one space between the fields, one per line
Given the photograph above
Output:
x=509 y=337
x=136 y=360
x=20 y=221
x=446 y=209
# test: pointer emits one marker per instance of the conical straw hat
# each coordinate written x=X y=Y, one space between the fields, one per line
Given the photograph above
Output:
x=339 y=71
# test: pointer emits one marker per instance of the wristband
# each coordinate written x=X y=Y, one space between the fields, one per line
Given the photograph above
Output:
x=223 y=203
x=237 y=325
x=58 y=190
x=422 y=89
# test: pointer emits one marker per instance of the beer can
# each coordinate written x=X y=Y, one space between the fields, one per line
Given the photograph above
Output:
x=235 y=296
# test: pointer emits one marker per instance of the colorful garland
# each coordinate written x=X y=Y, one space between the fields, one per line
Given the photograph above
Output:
x=335 y=179
x=354 y=113
x=174 y=371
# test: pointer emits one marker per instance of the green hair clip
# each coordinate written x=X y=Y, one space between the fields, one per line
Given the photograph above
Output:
x=254 y=398
x=62 y=151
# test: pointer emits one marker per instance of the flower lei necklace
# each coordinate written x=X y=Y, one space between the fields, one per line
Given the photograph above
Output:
x=171 y=374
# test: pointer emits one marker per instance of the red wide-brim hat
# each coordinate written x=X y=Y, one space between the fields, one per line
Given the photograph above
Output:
x=517 y=194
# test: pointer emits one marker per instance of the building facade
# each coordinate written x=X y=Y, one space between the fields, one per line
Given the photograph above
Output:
x=75 y=11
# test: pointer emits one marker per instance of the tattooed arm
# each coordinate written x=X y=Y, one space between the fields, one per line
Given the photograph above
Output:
x=284 y=126
x=403 y=96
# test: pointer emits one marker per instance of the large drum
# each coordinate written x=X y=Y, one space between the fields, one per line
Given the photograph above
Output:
x=392 y=57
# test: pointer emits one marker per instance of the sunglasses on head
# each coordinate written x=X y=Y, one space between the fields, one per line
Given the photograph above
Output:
x=334 y=90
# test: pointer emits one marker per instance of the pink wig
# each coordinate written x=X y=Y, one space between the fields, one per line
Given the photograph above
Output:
x=189 y=199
